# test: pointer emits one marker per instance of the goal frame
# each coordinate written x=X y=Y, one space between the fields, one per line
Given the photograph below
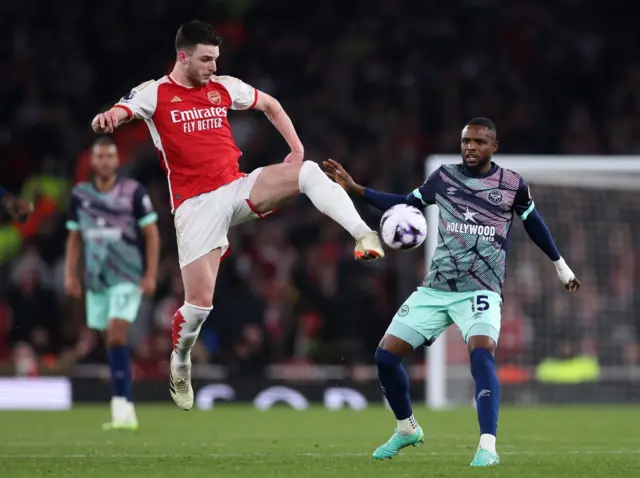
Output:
x=572 y=170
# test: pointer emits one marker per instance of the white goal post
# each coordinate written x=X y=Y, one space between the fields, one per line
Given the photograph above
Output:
x=591 y=172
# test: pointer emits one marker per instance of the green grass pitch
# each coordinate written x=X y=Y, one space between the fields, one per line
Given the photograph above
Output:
x=235 y=441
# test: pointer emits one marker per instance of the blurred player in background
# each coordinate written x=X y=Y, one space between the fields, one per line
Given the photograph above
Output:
x=113 y=218
x=18 y=208
x=186 y=112
x=477 y=201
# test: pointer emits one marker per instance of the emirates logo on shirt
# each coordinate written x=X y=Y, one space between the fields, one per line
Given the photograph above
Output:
x=214 y=97
x=199 y=119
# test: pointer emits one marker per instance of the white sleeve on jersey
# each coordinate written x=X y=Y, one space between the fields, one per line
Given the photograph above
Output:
x=243 y=96
x=141 y=101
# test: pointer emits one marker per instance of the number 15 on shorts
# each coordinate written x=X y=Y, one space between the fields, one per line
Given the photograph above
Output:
x=479 y=303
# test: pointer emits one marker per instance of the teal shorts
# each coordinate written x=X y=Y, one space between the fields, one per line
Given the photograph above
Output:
x=427 y=312
x=120 y=301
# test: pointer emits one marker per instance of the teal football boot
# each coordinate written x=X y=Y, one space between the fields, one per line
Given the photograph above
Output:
x=397 y=442
x=485 y=458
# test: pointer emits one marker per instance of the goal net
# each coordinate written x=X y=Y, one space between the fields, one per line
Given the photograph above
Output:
x=557 y=347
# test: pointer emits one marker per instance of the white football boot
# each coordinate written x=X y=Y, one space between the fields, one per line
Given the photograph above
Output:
x=180 y=385
x=369 y=248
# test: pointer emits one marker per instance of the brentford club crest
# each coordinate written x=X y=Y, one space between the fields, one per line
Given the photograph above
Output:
x=214 y=97
x=495 y=197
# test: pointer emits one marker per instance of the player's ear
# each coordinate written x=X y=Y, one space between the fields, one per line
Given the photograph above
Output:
x=496 y=143
x=182 y=57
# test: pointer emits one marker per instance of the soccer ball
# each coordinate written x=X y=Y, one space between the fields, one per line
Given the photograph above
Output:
x=403 y=227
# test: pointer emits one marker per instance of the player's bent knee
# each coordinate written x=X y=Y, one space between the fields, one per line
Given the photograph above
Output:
x=485 y=340
x=278 y=174
x=288 y=178
x=117 y=333
x=204 y=301
x=274 y=185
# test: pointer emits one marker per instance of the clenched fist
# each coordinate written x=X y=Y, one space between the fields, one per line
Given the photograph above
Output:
x=108 y=121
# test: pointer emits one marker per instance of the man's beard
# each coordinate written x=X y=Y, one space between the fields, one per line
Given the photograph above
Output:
x=197 y=79
x=482 y=163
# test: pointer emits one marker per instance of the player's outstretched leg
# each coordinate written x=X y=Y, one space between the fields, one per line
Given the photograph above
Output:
x=282 y=181
x=123 y=415
x=330 y=199
x=199 y=281
x=395 y=385
x=487 y=391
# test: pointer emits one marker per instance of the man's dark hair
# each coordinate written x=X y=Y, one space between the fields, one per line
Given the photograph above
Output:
x=195 y=32
x=482 y=121
x=104 y=141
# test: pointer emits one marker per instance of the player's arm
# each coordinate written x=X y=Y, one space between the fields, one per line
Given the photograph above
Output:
x=139 y=103
x=420 y=197
x=539 y=233
x=74 y=246
x=18 y=208
x=279 y=118
x=244 y=97
x=148 y=223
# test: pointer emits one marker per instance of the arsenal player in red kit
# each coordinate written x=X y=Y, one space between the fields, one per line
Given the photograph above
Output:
x=186 y=112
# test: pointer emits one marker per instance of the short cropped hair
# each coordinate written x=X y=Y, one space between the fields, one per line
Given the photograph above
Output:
x=482 y=121
x=190 y=34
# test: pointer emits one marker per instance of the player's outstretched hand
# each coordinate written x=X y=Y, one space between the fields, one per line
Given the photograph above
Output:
x=105 y=122
x=337 y=173
x=18 y=208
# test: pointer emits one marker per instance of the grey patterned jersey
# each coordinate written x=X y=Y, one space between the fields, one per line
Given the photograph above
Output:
x=476 y=214
x=110 y=224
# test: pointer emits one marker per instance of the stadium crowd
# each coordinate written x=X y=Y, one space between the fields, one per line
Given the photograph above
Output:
x=375 y=88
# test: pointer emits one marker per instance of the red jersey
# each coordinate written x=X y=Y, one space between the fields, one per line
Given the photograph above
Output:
x=191 y=132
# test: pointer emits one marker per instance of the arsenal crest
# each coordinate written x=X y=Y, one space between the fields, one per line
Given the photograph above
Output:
x=214 y=97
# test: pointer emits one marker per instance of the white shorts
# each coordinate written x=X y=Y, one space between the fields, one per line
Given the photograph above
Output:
x=202 y=222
